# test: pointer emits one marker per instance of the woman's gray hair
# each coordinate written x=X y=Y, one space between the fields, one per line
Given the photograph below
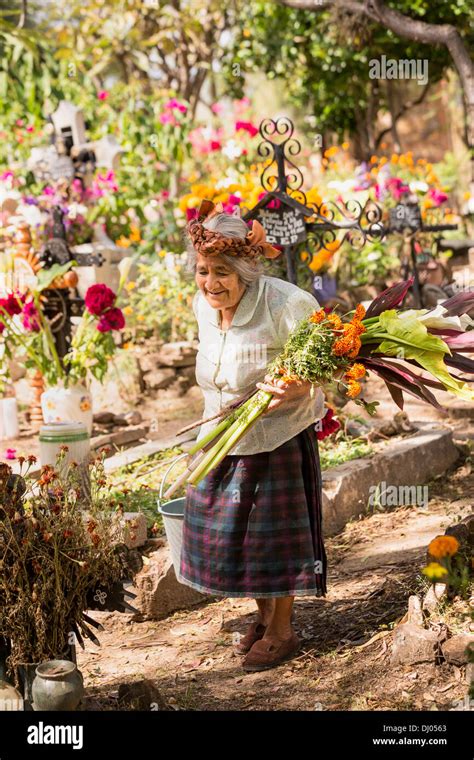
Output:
x=248 y=270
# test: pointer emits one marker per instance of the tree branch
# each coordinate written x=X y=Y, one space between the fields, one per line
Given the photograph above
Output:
x=404 y=108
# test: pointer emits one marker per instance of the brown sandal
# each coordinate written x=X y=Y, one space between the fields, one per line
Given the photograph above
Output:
x=254 y=633
x=265 y=654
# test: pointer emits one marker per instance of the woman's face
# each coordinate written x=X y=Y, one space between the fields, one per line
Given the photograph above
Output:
x=219 y=283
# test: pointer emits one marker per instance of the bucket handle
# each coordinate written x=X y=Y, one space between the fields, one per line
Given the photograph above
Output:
x=162 y=485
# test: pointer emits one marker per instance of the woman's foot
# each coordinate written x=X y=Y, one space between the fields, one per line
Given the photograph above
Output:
x=254 y=633
x=271 y=650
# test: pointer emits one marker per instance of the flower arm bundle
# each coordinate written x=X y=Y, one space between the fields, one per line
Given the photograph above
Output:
x=388 y=342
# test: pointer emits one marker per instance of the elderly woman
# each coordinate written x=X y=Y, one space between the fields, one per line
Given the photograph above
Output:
x=253 y=525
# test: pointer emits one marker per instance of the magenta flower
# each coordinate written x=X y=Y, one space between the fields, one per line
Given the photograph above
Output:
x=175 y=104
x=112 y=319
x=6 y=176
x=214 y=145
x=99 y=298
x=30 y=128
x=10 y=454
x=246 y=126
x=103 y=94
x=165 y=194
x=30 y=317
x=437 y=196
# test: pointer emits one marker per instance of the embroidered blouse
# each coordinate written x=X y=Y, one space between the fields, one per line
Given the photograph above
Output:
x=230 y=362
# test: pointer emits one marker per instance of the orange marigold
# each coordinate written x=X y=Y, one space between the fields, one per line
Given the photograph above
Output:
x=355 y=372
x=318 y=316
x=359 y=312
x=335 y=321
x=443 y=546
x=353 y=389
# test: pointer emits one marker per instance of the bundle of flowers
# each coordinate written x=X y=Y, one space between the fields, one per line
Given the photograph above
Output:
x=326 y=347
x=27 y=331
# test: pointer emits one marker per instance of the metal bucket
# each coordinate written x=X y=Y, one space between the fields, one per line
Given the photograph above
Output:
x=172 y=513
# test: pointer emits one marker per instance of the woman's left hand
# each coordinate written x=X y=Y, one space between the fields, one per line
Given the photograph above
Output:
x=283 y=391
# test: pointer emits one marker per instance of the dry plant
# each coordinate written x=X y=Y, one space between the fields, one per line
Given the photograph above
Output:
x=54 y=554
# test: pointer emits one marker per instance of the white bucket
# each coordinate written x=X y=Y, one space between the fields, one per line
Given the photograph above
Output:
x=172 y=513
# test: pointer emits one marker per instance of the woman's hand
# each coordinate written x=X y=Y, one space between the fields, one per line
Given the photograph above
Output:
x=283 y=391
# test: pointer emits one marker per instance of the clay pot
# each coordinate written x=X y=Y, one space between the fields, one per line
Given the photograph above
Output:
x=58 y=686
x=10 y=698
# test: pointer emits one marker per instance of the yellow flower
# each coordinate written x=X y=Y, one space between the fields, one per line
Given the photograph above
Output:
x=161 y=290
x=130 y=285
x=433 y=571
x=394 y=159
x=162 y=253
x=443 y=546
x=140 y=318
x=127 y=310
x=345 y=146
x=304 y=255
x=135 y=236
x=330 y=152
x=127 y=346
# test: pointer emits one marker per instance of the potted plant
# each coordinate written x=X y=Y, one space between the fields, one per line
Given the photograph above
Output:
x=27 y=329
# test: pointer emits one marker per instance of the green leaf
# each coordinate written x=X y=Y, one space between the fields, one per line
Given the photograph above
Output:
x=406 y=331
x=46 y=276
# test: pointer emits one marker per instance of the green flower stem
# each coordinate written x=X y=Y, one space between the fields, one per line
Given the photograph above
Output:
x=223 y=425
x=49 y=339
x=232 y=435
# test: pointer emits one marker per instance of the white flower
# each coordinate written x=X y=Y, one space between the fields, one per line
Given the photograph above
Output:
x=342 y=187
x=231 y=149
x=416 y=186
x=150 y=211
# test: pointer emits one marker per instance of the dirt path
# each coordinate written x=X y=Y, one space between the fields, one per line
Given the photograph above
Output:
x=345 y=661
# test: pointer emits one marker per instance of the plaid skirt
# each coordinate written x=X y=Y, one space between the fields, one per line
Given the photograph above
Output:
x=253 y=525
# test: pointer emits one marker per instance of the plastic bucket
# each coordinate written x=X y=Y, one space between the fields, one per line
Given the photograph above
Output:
x=172 y=513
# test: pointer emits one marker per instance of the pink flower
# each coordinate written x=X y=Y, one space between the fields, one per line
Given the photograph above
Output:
x=165 y=194
x=99 y=298
x=175 y=104
x=103 y=94
x=234 y=199
x=30 y=317
x=19 y=122
x=217 y=108
x=10 y=454
x=215 y=145
x=30 y=128
x=6 y=176
x=437 y=196
x=112 y=319
x=241 y=105
x=191 y=213
x=246 y=126
x=168 y=118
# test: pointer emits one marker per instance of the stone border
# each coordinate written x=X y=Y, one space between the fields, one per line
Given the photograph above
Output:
x=411 y=461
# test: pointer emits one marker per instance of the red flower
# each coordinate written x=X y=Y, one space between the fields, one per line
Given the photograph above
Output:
x=11 y=305
x=99 y=298
x=327 y=425
x=112 y=319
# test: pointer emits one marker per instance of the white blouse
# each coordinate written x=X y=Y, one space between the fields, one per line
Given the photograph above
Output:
x=230 y=362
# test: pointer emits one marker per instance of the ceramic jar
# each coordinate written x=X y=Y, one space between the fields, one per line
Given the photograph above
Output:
x=58 y=686
x=60 y=404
